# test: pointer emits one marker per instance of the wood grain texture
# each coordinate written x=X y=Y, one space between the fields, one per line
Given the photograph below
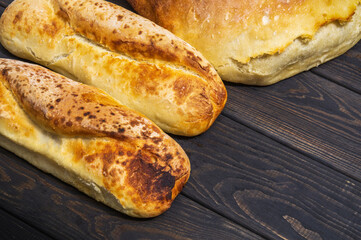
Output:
x=5 y=3
x=344 y=70
x=308 y=113
x=62 y=212
x=13 y=228
x=269 y=188
x=3 y=52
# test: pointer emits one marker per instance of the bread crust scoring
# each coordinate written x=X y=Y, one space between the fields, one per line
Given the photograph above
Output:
x=131 y=164
x=142 y=65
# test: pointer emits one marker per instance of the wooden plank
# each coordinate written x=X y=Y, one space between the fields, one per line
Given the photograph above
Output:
x=62 y=212
x=5 y=3
x=310 y=114
x=13 y=228
x=269 y=188
x=345 y=70
x=4 y=53
x=122 y=3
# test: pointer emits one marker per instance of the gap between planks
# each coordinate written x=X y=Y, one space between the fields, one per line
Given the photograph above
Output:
x=304 y=153
x=349 y=63
x=291 y=145
x=219 y=213
x=335 y=81
x=36 y=232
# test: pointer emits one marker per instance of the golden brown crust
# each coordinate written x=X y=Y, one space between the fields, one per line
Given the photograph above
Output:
x=100 y=140
x=143 y=64
x=70 y=108
x=241 y=31
x=121 y=30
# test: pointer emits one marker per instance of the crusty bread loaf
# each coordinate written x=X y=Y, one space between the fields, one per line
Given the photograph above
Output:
x=142 y=65
x=260 y=42
x=86 y=138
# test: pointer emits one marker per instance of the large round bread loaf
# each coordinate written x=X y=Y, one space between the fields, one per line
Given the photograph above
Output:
x=260 y=42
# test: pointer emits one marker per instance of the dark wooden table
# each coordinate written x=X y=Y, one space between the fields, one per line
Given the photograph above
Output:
x=281 y=162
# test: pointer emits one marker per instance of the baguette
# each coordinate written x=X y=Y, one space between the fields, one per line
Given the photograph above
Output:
x=142 y=65
x=260 y=42
x=84 y=137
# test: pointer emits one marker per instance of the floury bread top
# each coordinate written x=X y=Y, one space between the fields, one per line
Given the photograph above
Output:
x=256 y=41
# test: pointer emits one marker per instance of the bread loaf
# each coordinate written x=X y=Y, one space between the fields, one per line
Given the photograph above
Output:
x=86 y=138
x=260 y=42
x=142 y=65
